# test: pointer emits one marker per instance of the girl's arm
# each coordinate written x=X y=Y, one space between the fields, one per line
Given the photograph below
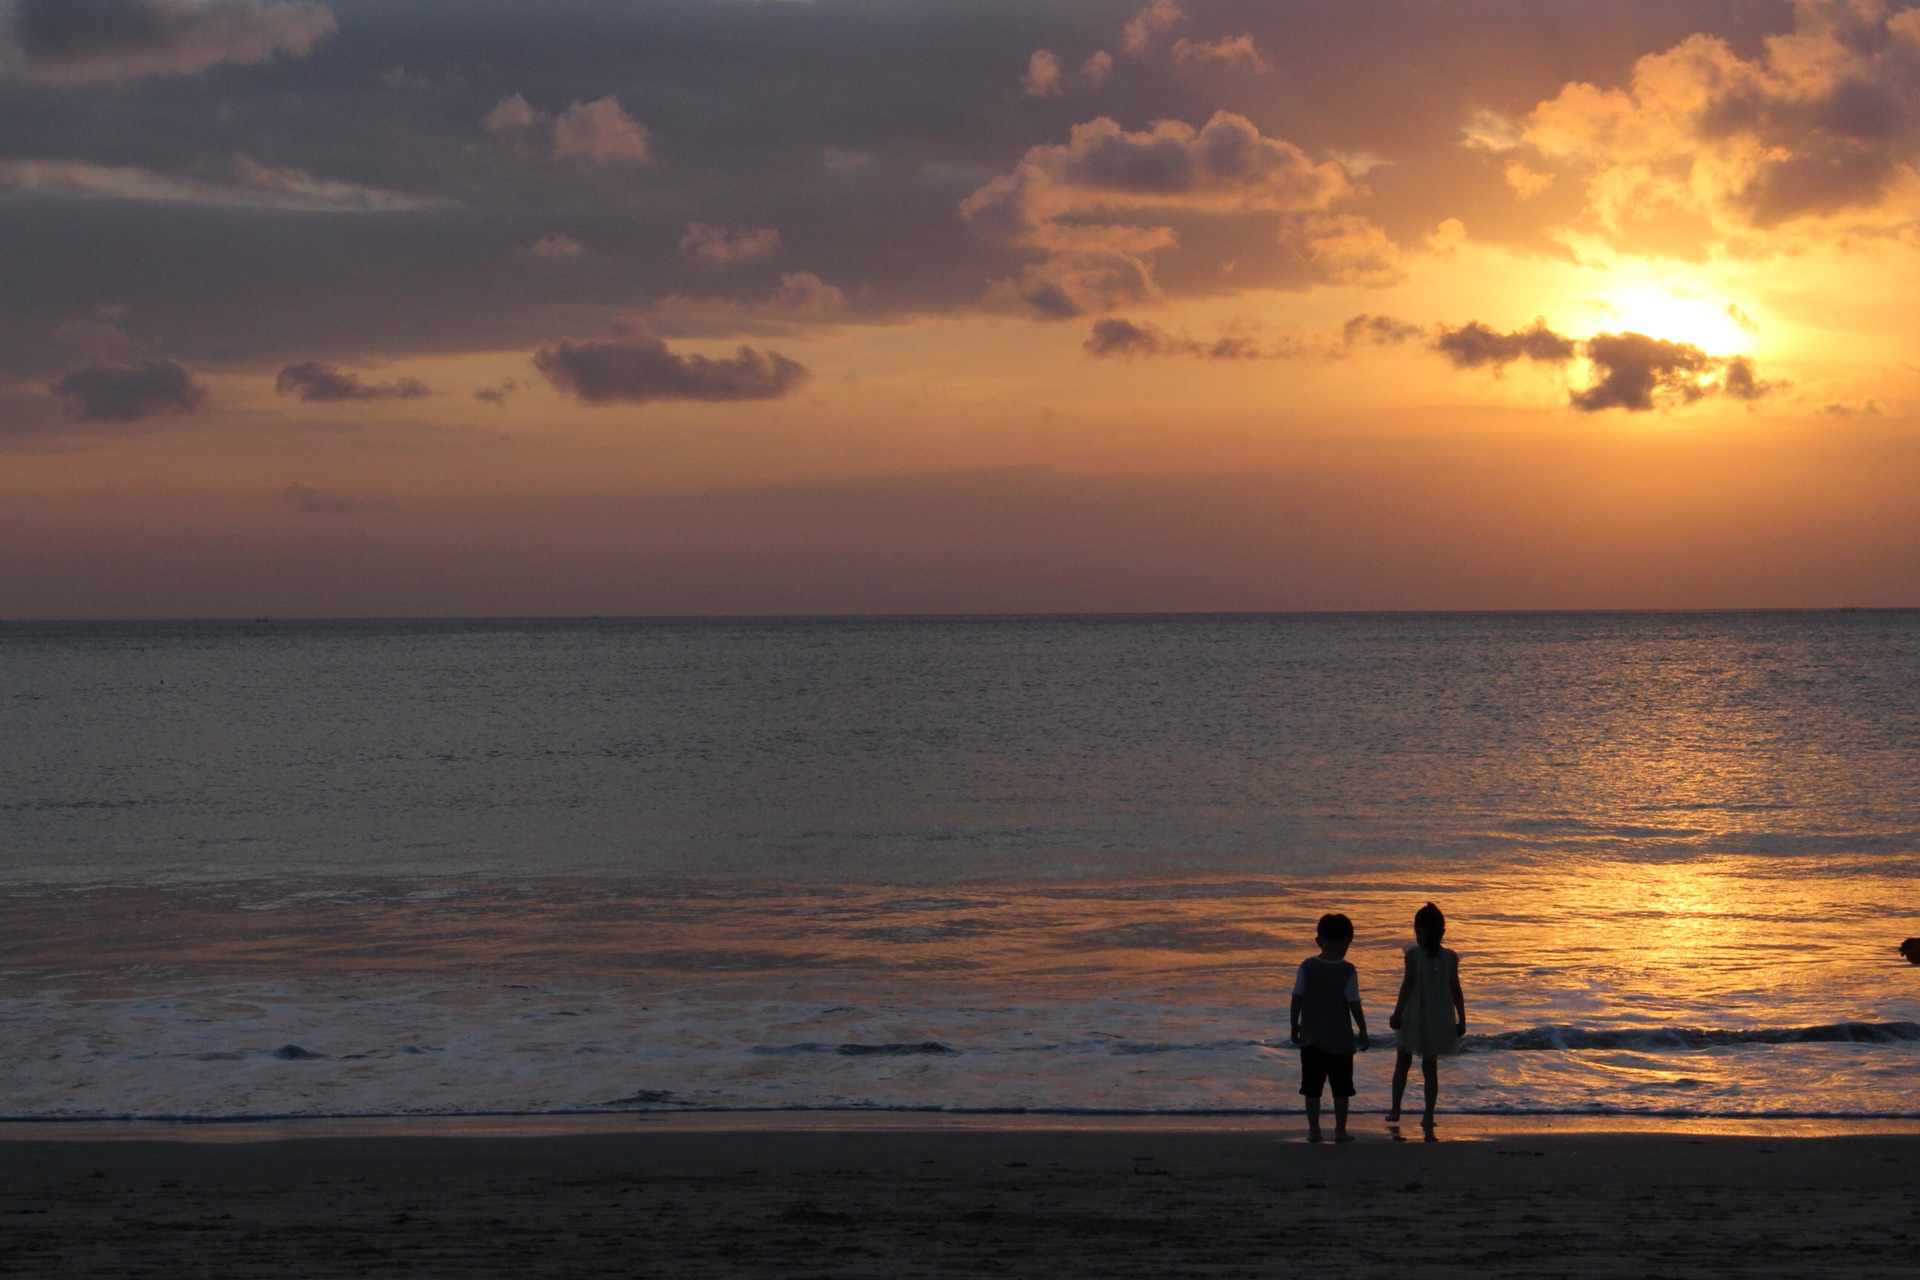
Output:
x=1406 y=989
x=1459 y=1002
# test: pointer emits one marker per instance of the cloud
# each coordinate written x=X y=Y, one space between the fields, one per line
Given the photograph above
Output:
x=99 y=338
x=1822 y=126
x=1345 y=248
x=598 y=131
x=512 y=114
x=724 y=245
x=320 y=502
x=556 y=248
x=313 y=381
x=115 y=393
x=1116 y=336
x=1378 y=331
x=1631 y=368
x=1478 y=346
x=1526 y=182
x=237 y=181
x=601 y=132
x=1630 y=371
x=1234 y=51
x=499 y=393
x=1090 y=204
x=1635 y=372
x=79 y=40
x=1739 y=381
x=800 y=298
x=637 y=368
x=1073 y=284
x=1156 y=18
x=1043 y=74
x=1046 y=78
x=1227 y=165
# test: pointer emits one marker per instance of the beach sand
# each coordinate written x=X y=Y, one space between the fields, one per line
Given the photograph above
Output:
x=1015 y=1201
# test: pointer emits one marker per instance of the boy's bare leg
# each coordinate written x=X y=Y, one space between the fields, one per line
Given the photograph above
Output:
x=1313 y=1121
x=1430 y=1076
x=1402 y=1063
x=1340 y=1133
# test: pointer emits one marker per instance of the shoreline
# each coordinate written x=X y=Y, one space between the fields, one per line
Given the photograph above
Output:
x=1456 y=1127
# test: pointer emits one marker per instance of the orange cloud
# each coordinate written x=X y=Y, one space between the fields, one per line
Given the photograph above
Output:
x=1234 y=51
x=1823 y=127
x=601 y=132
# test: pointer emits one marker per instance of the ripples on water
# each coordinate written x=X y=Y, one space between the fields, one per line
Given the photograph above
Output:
x=269 y=869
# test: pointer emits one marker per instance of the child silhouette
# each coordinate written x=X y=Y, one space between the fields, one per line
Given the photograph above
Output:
x=1431 y=1014
x=1326 y=1011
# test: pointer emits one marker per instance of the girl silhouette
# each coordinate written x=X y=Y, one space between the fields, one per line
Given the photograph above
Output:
x=1431 y=1015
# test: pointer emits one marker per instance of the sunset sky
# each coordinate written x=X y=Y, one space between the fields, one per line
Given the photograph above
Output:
x=420 y=307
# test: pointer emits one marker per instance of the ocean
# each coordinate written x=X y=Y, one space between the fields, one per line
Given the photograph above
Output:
x=1044 y=865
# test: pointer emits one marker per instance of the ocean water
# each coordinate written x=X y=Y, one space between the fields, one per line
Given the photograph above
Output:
x=1051 y=864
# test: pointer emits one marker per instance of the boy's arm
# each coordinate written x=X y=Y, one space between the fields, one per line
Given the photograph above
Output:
x=1362 y=1039
x=1295 y=1034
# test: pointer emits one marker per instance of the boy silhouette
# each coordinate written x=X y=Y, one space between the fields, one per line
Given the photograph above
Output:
x=1326 y=1009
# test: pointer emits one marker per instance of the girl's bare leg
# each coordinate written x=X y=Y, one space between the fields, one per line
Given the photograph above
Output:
x=1402 y=1062
x=1430 y=1076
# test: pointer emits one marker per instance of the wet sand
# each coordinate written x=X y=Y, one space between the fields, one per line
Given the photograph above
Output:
x=898 y=1201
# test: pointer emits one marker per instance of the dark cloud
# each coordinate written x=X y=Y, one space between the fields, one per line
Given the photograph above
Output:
x=315 y=381
x=1635 y=372
x=115 y=393
x=1116 y=336
x=109 y=39
x=319 y=502
x=1631 y=371
x=1738 y=380
x=1119 y=337
x=637 y=368
x=498 y=394
x=1477 y=346
x=1381 y=331
x=1631 y=368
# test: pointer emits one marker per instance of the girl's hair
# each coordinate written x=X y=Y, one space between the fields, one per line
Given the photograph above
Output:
x=1431 y=921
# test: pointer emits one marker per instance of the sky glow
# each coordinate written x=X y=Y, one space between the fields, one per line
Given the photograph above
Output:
x=403 y=307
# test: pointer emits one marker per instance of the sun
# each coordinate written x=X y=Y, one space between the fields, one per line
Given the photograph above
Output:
x=1715 y=326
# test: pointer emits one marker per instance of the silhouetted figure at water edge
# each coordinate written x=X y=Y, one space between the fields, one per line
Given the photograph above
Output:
x=1326 y=1009
x=1431 y=1014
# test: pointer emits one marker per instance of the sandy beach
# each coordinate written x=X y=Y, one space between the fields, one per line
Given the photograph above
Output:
x=821 y=1201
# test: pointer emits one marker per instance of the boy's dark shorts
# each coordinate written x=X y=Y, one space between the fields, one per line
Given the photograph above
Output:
x=1318 y=1067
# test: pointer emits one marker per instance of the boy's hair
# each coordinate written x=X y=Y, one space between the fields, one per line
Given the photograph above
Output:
x=1334 y=927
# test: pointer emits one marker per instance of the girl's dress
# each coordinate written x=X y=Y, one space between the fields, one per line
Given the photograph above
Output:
x=1427 y=1026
